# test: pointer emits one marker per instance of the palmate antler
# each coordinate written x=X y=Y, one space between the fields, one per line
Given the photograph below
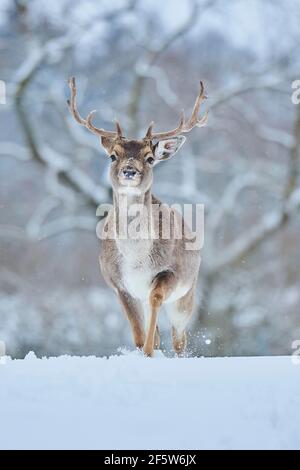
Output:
x=183 y=126
x=72 y=103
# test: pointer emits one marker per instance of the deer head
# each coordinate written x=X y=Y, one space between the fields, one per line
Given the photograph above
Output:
x=132 y=161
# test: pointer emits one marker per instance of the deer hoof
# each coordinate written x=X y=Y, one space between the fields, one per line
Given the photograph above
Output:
x=148 y=351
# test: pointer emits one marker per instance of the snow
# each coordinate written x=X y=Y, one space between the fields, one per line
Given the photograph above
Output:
x=132 y=402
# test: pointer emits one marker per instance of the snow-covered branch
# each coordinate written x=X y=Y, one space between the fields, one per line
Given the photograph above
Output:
x=271 y=222
x=45 y=155
x=40 y=215
x=14 y=150
x=227 y=204
x=146 y=68
x=268 y=81
x=65 y=224
x=244 y=245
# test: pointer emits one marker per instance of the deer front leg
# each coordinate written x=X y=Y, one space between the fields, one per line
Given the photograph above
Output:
x=134 y=312
x=161 y=287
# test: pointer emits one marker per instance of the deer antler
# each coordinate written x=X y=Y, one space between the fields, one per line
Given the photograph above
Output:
x=72 y=103
x=183 y=126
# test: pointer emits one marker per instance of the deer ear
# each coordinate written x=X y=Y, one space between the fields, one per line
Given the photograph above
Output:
x=108 y=144
x=165 y=149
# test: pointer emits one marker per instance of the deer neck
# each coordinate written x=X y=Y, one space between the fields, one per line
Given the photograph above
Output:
x=133 y=210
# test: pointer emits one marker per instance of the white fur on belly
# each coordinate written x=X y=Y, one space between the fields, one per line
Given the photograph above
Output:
x=137 y=281
x=136 y=269
x=137 y=272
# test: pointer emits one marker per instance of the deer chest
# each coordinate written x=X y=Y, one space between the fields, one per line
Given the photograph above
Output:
x=137 y=270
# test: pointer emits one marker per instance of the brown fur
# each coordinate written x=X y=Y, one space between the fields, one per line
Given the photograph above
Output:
x=170 y=264
x=159 y=267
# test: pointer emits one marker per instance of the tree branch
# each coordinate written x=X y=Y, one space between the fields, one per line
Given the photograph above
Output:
x=270 y=223
x=143 y=70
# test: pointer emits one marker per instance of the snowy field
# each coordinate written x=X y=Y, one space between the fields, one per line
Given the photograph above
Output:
x=130 y=402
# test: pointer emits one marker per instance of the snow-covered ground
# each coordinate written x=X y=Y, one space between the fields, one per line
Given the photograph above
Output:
x=131 y=402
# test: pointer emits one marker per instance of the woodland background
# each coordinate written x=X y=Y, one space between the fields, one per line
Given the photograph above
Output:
x=141 y=60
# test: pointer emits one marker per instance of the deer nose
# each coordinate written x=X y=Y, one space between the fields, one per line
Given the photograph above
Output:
x=129 y=172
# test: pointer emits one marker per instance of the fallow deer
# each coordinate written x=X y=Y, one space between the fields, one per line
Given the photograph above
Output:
x=147 y=273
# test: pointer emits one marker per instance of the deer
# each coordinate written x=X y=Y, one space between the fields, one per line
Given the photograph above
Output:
x=154 y=271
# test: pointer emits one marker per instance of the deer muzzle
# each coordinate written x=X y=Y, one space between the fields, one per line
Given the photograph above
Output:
x=129 y=172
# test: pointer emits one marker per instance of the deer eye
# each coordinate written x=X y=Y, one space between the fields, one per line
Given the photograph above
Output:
x=150 y=160
x=113 y=157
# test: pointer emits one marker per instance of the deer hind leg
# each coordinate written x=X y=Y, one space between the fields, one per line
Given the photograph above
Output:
x=179 y=314
x=157 y=338
x=134 y=312
x=161 y=287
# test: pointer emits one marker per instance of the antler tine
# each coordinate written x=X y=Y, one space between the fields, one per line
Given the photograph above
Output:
x=203 y=121
x=165 y=135
x=72 y=103
x=194 y=120
x=184 y=126
x=119 y=129
x=148 y=135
